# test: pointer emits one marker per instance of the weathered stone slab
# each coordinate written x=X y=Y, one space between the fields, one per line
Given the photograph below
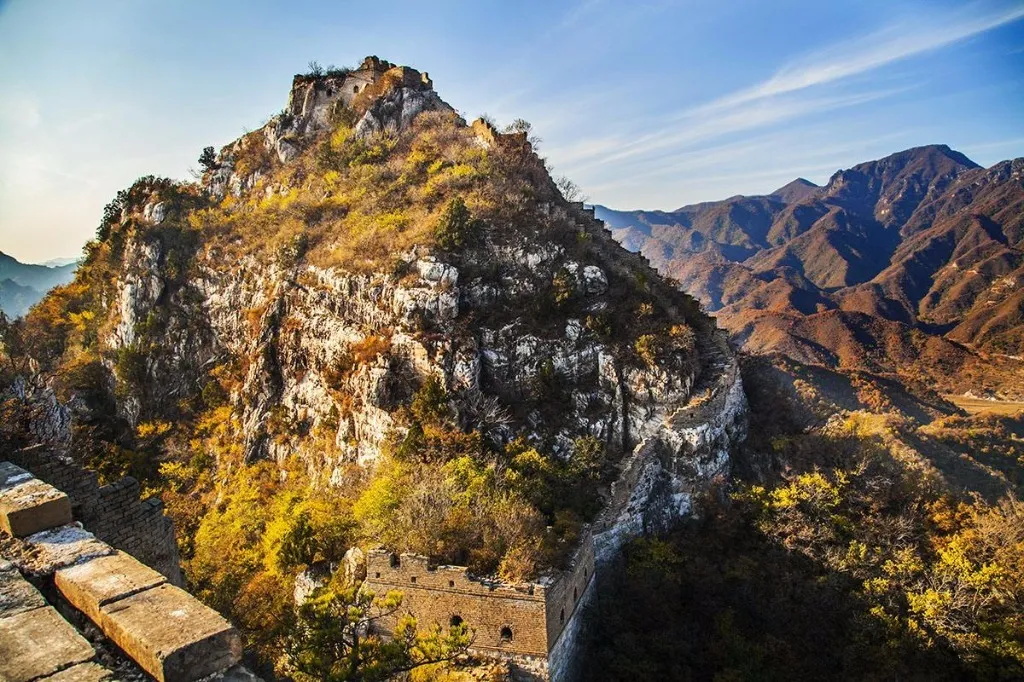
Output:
x=84 y=672
x=100 y=581
x=16 y=594
x=171 y=635
x=57 y=548
x=11 y=475
x=238 y=673
x=37 y=643
x=27 y=505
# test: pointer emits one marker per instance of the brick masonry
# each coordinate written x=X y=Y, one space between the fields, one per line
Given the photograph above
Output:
x=522 y=623
x=161 y=628
x=113 y=513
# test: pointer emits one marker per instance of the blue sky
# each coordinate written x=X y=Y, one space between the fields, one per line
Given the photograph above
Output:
x=644 y=104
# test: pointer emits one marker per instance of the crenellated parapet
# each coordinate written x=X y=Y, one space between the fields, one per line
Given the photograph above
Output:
x=115 y=512
x=525 y=623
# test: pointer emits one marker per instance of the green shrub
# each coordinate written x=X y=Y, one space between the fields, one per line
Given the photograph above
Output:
x=453 y=230
x=430 y=404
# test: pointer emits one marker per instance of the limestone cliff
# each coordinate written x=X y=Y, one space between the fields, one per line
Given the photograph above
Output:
x=365 y=280
x=457 y=316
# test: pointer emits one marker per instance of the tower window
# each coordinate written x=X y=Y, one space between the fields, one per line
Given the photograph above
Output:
x=561 y=616
x=451 y=583
x=396 y=561
x=575 y=592
x=355 y=88
x=506 y=634
x=413 y=579
x=456 y=621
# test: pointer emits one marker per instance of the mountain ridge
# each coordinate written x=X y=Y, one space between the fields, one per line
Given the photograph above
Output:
x=924 y=239
x=22 y=285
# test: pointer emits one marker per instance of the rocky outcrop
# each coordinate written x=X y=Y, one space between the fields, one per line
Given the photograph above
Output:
x=687 y=453
x=385 y=97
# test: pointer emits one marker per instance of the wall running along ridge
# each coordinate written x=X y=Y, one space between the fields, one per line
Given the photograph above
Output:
x=546 y=618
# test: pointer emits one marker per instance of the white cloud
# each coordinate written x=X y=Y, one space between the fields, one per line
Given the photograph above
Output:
x=820 y=82
x=892 y=44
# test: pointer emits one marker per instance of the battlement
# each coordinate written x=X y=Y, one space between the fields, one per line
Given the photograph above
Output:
x=521 y=622
x=115 y=512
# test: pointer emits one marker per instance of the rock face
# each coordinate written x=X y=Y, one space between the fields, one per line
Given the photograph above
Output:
x=335 y=351
x=683 y=457
x=513 y=308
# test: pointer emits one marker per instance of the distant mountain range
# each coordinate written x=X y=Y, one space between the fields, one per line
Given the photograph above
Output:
x=22 y=285
x=912 y=264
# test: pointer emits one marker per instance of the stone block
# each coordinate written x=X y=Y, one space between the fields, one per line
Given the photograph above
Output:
x=37 y=643
x=57 y=548
x=11 y=475
x=171 y=635
x=27 y=505
x=16 y=594
x=83 y=672
x=97 y=582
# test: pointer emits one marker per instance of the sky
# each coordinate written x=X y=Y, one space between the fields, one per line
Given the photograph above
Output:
x=645 y=104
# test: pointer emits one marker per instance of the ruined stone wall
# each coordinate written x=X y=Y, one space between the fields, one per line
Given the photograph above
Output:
x=566 y=599
x=659 y=479
x=447 y=595
x=565 y=594
x=81 y=584
x=113 y=513
x=521 y=623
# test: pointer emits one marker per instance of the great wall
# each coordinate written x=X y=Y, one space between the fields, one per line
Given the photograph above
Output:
x=90 y=577
x=75 y=609
x=538 y=625
x=75 y=576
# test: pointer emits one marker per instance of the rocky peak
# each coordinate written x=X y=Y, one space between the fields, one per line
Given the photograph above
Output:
x=796 y=191
x=891 y=188
x=378 y=96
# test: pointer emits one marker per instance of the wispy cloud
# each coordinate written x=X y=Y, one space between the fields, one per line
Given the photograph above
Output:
x=671 y=139
x=827 y=80
x=892 y=44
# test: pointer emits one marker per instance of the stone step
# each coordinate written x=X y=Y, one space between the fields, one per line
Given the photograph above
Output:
x=38 y=643
x=51 y=550
x=93 y=584
x=170 y=634
x=27 y=505
x=17 y=595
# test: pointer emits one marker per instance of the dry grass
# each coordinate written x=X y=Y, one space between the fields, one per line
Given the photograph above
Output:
x=980 y=405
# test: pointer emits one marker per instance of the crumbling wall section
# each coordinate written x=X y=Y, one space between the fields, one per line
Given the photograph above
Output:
x=508 y=621
x=114 y=513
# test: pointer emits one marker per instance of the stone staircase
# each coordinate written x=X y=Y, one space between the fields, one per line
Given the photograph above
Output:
x=54 y=573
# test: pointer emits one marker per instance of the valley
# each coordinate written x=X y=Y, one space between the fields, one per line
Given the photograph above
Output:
x=980 y=405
